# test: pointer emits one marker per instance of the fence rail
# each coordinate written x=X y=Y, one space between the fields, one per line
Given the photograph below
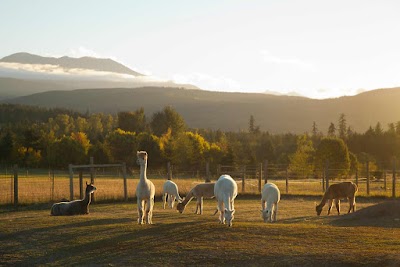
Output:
x=21 y=186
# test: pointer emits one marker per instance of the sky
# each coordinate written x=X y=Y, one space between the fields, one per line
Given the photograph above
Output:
x=318 y=49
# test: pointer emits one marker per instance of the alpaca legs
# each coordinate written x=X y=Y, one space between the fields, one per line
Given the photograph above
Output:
x=221 y=212
x=149 y=211
x=164 y=197
x=275 y=212
x=330 y=204
x=337 y=205
x=352 y=202
x=199 y=206
x=140 y=211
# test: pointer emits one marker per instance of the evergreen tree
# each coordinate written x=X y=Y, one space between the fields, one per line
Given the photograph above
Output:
x=332 y=130
x=301 y=162
x=342 y=127
x=167 y=119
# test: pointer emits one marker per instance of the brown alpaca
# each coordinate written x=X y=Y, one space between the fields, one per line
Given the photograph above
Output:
x=199 y=191
x=337 y=192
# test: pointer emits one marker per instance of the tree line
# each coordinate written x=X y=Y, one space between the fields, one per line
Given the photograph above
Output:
x=36 y=137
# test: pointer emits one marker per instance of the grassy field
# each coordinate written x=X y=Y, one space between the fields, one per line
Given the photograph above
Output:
x=110 y=236
x=42 y=189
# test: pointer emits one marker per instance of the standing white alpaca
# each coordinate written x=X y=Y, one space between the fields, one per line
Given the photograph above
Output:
x=272 y=196
x=170 y=191
x=225 y=192
x=145 y=190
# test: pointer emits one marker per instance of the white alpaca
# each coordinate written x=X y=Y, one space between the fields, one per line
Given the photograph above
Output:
x=271 y=195
x=145 y=190
x=225 y=192
x=170 y=191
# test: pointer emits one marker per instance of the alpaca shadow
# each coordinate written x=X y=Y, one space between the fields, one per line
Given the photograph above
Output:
x=92 y=222
x=131 y=237
x=302 y=219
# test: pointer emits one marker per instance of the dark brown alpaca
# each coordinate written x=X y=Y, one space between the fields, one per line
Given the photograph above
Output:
x=75 y=207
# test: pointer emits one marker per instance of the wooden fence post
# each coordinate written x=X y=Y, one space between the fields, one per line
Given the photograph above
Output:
x=265 y=171
x=287 y=180
x=326 y=175
x=125 y=181
x=367 y=166
x=80 y=185
x=169 y=171
x=92 y=176
x=394 y=179
x=357 y=176
x=260 y=177
x=208 y=172
x=15 y=185
x=384 y=180
x=71 y=182
x=243 y=179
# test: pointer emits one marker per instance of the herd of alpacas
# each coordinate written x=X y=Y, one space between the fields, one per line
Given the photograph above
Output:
x=224 y=190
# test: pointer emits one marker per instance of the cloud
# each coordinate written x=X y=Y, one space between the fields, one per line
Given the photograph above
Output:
x=55 y=71
x=268 y=57
x=82 y=52
x=206 y=81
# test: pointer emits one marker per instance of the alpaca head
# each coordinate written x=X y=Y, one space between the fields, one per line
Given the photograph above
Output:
x=90 y=188
x=265 y=214
x=180 y=207
x=318 y=209
x=141 y=157
x=229 y=216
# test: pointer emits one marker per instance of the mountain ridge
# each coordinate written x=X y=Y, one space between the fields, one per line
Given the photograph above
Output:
x=92 y=63
x=231 y=111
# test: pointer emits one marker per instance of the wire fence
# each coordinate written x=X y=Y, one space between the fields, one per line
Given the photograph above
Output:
x=29 y=186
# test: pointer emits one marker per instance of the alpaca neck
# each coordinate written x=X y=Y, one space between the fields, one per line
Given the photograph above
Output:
x=143 y=170
x=87 y=199
x=323 y=201
x=188 y=198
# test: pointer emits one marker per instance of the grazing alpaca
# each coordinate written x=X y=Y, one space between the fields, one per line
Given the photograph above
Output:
x=336 y=192
x=170 y=191
x=145 y=191
x=271 y=195
x=199 y=192
x=74 y=207
x=225 y=192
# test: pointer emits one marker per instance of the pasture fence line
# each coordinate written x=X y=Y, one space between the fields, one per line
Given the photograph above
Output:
x=113 y=182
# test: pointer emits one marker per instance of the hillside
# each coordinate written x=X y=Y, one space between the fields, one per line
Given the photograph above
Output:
x=231 y=111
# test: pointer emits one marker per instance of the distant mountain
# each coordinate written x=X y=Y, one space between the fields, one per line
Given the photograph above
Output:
x=231 y=111
x=25 y=74
x=90 y=63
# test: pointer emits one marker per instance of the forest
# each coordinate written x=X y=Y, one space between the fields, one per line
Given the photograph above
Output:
x=35 y=137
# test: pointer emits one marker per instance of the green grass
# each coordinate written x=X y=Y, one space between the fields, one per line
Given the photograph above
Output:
x=110 y=236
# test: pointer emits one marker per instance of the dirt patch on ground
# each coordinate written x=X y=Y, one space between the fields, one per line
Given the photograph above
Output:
x=385 y=214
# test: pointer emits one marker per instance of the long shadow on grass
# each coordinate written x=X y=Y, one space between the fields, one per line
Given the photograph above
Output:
x=90 y=222
x=134 y=242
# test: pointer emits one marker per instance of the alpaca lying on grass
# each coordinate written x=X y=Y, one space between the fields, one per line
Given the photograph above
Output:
x=74 y=207
x=145 y=191
x=170 y=191
x=270 y=195
x=199 y=192
x=336 y=192
x=225 y=192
